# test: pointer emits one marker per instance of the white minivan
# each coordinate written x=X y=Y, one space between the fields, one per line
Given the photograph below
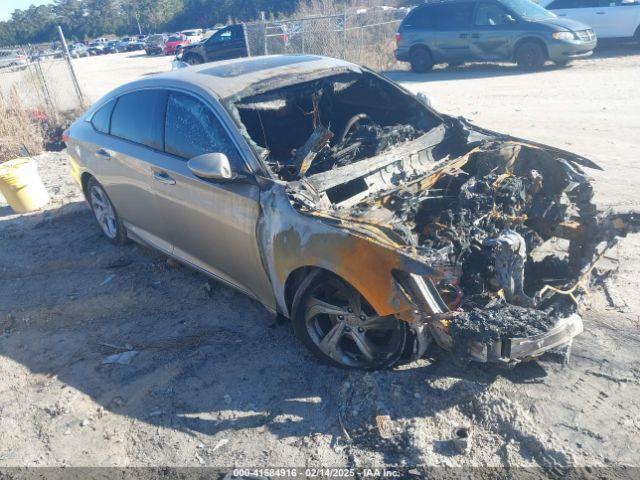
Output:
x=608 y=18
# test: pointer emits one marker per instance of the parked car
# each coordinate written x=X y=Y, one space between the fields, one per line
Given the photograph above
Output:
x=175 y=42
x=608 y=18
x=96 y=48
x=112 y=46
x=124 y=45
x=458 y=31
x=77 y=50
x=13 y=59
x=194 y=35
x=377 y=224
x=154 y=45
x=228 y=42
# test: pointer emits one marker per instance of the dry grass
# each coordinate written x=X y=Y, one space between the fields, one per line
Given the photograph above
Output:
x=369 y=38
x=20 y=128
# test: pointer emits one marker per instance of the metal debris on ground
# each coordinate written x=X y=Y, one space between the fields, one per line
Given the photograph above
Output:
x=123 y=358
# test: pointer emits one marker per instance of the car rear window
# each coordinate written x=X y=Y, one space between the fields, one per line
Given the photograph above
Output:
x=192 y=129
x=101 y=118
x=138 y=117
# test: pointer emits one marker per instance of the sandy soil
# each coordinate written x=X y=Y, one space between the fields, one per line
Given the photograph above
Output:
x=217 y=381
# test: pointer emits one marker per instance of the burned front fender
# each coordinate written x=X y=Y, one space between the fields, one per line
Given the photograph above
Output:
x=359 y=254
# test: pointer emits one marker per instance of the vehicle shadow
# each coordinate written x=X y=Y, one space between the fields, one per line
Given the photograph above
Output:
x=207 y=358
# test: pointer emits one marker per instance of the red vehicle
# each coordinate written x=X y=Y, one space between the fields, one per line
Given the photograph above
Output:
x=174 y=42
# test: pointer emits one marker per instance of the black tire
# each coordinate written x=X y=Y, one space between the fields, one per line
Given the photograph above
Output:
x=530 y=56
x=421 y=59
x=193 y=59
x=96 y=195
x=357 y=338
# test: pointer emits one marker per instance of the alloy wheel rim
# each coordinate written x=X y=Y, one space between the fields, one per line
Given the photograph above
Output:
x=346 y=329
x=103 y=211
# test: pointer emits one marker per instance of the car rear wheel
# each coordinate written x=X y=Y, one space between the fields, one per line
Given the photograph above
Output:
x=530 y=56
x=421 y=60
x=337 y=325
x=105 y=213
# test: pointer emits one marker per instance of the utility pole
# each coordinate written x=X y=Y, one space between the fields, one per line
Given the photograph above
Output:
x=74 y=79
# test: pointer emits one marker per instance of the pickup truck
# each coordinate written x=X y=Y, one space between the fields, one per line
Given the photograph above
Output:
x=235 y=41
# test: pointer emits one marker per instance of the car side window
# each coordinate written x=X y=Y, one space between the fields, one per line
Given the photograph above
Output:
x=102 y=117
x=139 y=116
x=223 y=35
x=490 y=15
x=423 y=18
x=454 y=15
x=192 y=129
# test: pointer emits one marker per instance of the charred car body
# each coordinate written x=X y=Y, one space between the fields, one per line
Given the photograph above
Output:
x=342 y=201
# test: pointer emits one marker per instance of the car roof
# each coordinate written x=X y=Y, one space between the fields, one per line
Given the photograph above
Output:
x=229 y=78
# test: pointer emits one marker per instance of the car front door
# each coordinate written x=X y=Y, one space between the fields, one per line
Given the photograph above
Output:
x=211 y=224
x=494 y=31
x=128 y=137
x=453 y=24
x=228 y=42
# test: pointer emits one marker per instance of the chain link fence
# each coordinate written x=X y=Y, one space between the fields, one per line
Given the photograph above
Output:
x=38 y=96
x=366 y=37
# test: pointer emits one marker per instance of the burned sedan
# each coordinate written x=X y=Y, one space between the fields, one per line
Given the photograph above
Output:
x=340 y=200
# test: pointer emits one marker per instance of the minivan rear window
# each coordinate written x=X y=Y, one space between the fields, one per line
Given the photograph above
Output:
x=139 y=117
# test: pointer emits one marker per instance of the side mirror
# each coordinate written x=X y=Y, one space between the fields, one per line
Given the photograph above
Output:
x=508 y=19
x=214 y=166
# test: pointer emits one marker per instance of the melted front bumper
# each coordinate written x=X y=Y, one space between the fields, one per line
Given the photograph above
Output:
x=514 y=350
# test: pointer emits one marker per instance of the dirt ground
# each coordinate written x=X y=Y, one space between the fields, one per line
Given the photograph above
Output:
x=217 y=381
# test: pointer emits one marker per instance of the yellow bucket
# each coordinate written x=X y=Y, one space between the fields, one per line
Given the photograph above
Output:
x=21 y=185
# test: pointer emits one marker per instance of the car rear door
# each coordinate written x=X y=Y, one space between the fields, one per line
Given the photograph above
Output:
x=211 y=224
x=617 y=19
x=494 y=31
x=228 y=42
x=584 y=11
x=453 y=25
x=128 y=137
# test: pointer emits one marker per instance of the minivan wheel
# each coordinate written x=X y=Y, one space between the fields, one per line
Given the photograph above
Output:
x=339 y=327
x=105 y=213
x=530 y=56
x=421 y=60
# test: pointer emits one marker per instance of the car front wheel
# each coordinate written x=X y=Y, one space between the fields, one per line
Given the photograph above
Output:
x=337 y=325
x=193 y=59
x=105 y=213
x=530 y=56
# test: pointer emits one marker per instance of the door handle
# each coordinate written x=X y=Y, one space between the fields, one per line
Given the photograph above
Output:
x=464 y=35
x=475 y=35
x=601 y=13
x=102 y=153
x=562 y=14
x=164 y=177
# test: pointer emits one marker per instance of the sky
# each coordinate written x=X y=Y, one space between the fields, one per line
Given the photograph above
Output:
x=8 y=6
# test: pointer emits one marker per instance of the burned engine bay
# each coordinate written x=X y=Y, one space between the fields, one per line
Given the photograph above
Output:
x=509 y=225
